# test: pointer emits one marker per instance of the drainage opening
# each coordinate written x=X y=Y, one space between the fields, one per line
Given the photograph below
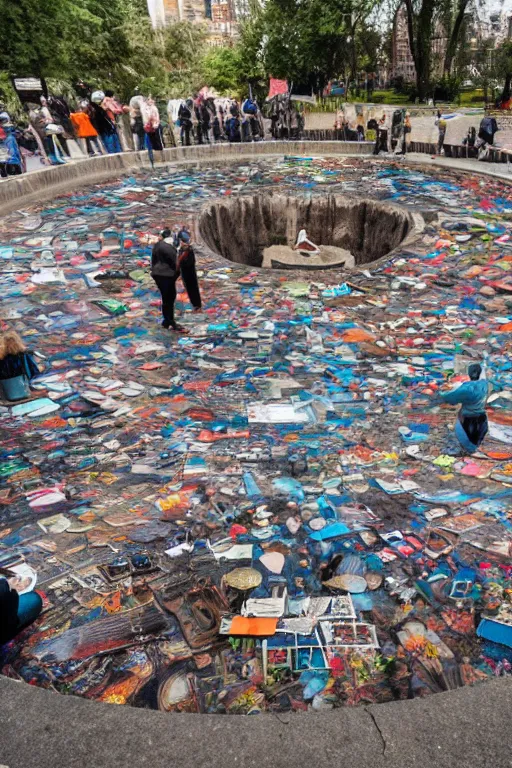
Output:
x=262 y=230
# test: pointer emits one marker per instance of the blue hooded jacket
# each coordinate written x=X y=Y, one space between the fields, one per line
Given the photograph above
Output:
x=472 y=395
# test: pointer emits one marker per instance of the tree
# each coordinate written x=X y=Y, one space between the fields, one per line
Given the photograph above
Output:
x=504 y=68
x=250 y=49
x=31 y=40
x=222 y=69
x=420 y=28
x=453 y=24
x=312 y=41
x=165 y=62
x=482 y=66
x=367 y=47
x=65 y=39
x=422 y=18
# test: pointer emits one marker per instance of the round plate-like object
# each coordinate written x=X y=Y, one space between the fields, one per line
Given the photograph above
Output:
x=373 y=579
x=348 y=582
x=244 y=578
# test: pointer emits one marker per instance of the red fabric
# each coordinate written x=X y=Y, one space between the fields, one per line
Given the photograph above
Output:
x=277 y=87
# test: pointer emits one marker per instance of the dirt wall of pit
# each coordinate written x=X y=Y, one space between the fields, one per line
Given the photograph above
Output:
x=241 y=228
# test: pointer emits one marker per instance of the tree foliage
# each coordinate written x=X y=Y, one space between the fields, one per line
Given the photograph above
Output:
x=30 y=39
x=504 y=68
x=308 y=42
x=425 y=20
x=103 y=43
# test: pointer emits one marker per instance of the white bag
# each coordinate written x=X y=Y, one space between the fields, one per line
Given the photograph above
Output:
x=53 y=128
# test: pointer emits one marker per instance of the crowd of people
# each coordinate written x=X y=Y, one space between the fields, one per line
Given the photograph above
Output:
x=393 y=133
x=57 y=129
x=95 y=122
x=205 y=119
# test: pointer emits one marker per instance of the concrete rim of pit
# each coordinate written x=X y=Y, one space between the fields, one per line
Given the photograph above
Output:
x=466 y=728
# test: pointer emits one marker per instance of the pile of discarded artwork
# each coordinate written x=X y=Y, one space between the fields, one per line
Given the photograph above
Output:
x=270 y=512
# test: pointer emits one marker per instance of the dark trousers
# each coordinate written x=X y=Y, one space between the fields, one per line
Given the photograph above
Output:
x=201 y=134
x=167 y=288
x=93 y=145
x=186 y=127
x=189 y=277
x=382 y=141
x=9 y=169
x=63 y=144
x=440 y=141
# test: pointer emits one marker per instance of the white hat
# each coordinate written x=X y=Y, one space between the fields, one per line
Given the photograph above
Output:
x=97 y=97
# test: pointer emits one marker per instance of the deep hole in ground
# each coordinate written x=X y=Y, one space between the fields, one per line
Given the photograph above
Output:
x=241 y=229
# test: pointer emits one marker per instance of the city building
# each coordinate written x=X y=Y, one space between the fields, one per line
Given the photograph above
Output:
x=402 y=64
x=218 y=15
x=498 y=27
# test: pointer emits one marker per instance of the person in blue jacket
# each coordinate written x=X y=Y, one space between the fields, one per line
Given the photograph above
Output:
x=16 y=611
x=11 y=162
x=471 y=426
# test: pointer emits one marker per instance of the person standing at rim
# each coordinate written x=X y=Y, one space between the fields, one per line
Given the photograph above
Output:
x=441 y=127
x=471 y=426
x=164 y=271
x=185 y=121
x=187 y=268
x=381 y=143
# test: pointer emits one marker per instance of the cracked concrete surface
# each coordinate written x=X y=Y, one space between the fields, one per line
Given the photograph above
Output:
x=377 y=726
x=466 y=728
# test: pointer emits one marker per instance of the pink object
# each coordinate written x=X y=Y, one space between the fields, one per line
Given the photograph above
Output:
x=273 y=561
x=276 y=88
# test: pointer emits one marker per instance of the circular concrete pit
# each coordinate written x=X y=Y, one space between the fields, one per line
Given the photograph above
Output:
x=94 y=642
x=261 y=230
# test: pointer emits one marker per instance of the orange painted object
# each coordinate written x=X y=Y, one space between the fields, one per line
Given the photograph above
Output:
x=355 y=335
x=197 y=386
x=501 y=418
x=498 y=455
x=205 y=436
x=241 y=625
x=200 y=414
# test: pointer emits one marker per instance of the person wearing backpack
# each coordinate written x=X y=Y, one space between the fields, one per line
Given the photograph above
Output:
x=253 y=120
x=104 y=124
x=232 y=125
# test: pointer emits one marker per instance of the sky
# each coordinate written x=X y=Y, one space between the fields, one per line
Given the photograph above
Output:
x=491 y=6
